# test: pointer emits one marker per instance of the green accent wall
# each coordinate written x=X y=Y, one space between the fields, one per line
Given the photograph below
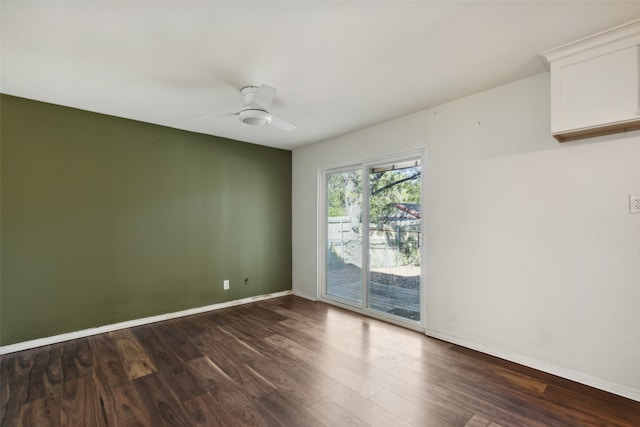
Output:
x=105 y=219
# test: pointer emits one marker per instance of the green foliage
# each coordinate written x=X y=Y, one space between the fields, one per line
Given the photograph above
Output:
x=409 y=249
x=387 y=189
x=390 y=188
x=335 y=195
x=344 y=192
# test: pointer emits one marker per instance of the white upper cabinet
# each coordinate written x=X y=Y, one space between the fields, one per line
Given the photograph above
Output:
x=595 y=84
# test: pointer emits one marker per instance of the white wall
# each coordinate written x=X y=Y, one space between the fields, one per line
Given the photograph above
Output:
x=532 y=252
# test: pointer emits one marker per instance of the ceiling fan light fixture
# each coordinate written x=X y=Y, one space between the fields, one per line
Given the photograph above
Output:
x=254 y=117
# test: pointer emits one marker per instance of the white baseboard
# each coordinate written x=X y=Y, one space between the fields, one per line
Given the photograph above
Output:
x=25 y=345
x=611 y=387
x=305 y=296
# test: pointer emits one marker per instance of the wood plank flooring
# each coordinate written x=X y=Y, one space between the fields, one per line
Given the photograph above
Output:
x=287 y=362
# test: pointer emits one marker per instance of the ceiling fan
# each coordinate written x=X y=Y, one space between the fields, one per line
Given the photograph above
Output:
x=255 y=112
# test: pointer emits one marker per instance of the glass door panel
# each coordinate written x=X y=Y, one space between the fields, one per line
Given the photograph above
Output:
x=344 y=235
x=394 y=239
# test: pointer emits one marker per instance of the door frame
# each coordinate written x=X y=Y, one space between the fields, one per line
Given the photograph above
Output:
x=364 y=166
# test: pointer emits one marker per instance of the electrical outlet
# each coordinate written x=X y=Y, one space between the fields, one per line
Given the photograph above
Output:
x=226 y=285
x=634 y=204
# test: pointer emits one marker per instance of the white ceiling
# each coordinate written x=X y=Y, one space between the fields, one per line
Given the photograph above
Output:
x=338 y=65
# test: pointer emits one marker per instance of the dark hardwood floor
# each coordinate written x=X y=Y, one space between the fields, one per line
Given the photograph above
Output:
x=287 y=362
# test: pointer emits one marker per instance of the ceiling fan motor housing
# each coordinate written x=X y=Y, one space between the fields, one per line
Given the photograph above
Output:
x=249 y=92
x=254 y=117
x=257 y=101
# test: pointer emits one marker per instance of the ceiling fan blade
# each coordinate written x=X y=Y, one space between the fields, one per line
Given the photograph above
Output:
x=264 y=97
x=281 y=123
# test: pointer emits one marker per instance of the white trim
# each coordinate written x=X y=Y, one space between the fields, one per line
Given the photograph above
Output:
x=550 y=368
x=378 y=315
x=26 y=345
x=305 y=296
x=393 y=156
x=424 y=255
x=321 y=231
x=630 y=30
x=365 y=212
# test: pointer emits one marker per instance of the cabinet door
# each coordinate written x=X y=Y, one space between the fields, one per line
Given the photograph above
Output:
x=595 y=84
x=598 y=91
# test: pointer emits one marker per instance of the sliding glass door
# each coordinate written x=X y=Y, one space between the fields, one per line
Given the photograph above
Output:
x=373 y=238
x=344 y=235
x=394 y=239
